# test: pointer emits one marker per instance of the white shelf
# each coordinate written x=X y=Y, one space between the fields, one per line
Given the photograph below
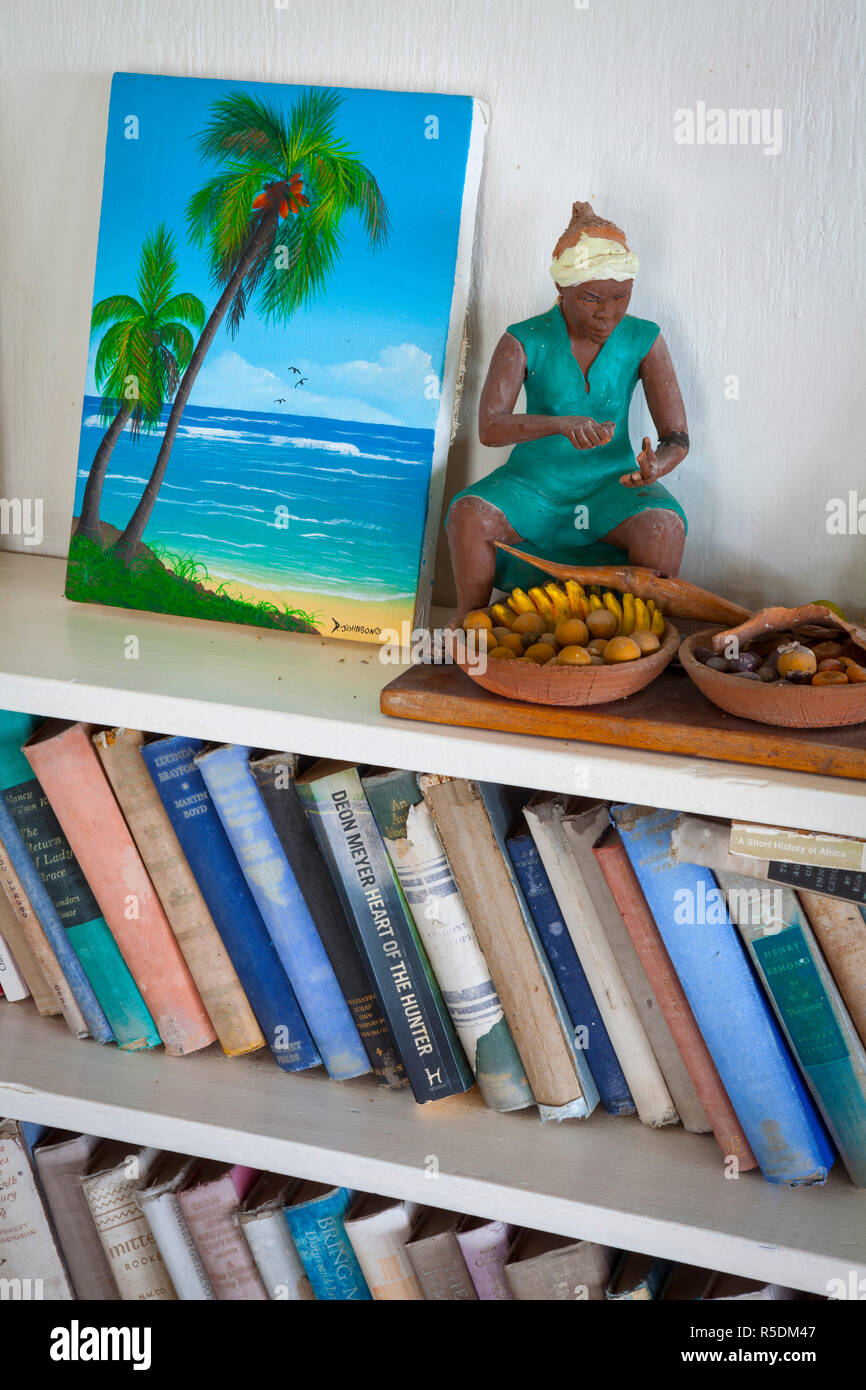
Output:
x=605 y=1179
x=611 y=1180
x=319 y=696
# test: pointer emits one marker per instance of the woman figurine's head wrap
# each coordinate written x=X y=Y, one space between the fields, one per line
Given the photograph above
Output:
x=591 y=249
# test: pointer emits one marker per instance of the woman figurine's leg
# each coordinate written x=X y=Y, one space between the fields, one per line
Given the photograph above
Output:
x=473 y=526
x=655 y=539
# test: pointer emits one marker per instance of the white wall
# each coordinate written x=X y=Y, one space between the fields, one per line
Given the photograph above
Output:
x=752 y=263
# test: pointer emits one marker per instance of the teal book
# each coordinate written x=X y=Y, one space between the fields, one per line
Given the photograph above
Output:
x=810 y=1010
x=380 y=918
x=86 y=929
x=448 y=936
x=315 y=1218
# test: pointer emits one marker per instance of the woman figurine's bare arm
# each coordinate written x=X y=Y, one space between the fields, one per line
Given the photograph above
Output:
x=497 y=423
x=665 y=404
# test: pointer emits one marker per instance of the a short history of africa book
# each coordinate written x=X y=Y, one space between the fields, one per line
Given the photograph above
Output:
x=275 y=342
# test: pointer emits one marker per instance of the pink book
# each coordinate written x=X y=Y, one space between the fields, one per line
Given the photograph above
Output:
x=485 y=1245
x=209 y=1202
x=65 y=762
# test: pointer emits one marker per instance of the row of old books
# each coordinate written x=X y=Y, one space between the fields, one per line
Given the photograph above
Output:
x=555 y=951
x=99 y=1219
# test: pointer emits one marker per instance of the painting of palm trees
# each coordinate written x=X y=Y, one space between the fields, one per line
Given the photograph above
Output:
x=315 y=234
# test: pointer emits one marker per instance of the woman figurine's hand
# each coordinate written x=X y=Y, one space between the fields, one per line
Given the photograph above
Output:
x=648 y=465
x=585 y=433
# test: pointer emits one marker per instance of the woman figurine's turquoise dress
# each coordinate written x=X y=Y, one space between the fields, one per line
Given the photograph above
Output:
x=561 y=500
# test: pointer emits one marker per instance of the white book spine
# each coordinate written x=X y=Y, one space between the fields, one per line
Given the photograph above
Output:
x=133 y=1255
x=11 y=979
x=176 y=1245
x=379 y=1242
x=30 y=1263
x=276 y=1258
x=615 y=1004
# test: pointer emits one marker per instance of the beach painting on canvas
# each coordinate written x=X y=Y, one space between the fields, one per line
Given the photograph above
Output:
x=280 y=286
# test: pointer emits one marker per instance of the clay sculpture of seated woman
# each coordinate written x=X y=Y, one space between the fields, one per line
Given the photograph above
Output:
x=572 y=489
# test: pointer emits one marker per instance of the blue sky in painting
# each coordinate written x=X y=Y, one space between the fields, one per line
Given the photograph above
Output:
x=370 y=343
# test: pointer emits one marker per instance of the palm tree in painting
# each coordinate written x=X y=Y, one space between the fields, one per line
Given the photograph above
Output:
x=267 y=240
x=141 y=356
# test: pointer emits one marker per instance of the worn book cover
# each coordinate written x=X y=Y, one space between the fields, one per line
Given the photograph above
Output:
x=437 y=1259
x=316 y=1215
x=448 y=936
x=119 y=751
x=110 y=1179
x=209 y=1201
x=281 y=281
x=31 y=1263
x=379 y=1229
x=60 y=1160
x=157 y=1196
x=113 y=1001
x=262 y=1219
x=275 y=778
x=269 y=876
x=375 y=904
x=548 y=1268
x=485 y=1245
x=63 y=758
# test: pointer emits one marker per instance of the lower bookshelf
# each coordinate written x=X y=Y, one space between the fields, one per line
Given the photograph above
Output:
x=611 y=1180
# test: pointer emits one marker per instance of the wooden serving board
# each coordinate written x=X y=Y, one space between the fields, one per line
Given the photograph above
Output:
x=669 y=716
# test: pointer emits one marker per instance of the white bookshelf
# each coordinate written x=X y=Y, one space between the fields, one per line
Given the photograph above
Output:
x=612 y=1180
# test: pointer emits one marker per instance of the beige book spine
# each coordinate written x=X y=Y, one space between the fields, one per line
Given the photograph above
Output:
x=841 y=933
x=485 y=885
x=378 y=1230
x=59 y=998
x=130 y=1246
x=22 y=954
x=196 y=933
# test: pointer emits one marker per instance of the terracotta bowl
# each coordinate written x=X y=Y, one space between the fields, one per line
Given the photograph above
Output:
x=574 y=685
x=793 y=706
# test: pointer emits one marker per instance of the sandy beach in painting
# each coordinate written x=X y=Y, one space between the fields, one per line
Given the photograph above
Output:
x=357 y=618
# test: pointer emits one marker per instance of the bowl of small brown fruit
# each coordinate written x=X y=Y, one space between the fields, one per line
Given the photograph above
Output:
x=802 y=668
x=563 y=644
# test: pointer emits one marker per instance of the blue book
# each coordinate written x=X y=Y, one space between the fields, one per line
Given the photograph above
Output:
x=500 y=807
x=81 y=923
x=238 y=801
x=208 y=851
x=568 y=971
x=809 y=1007
x=781 y=1124
x=81 y=988
x=315 y=1218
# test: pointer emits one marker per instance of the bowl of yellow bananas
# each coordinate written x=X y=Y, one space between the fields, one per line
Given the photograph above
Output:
x=566 y=644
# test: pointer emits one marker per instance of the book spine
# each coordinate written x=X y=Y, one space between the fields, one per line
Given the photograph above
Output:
x=670 y=996
x=23 y=958
x=650 y=1286
x=209 y=1209
x=274 y=777
x=841 y=931
x=781 y=1124
x=176 y=1245
x=181 y=788
x=576 y=1272
x=583 y=1011
x=20 y=881
x=770 y=843
x=64 y=1001
x=12 y=982
x=448 y=936
x=233 y=791
x=29 y=1253
x=60 y=1166
x=479 y=870
x=133 y=1255
x=441 y=1269
x=72 y=778
x=353 y=849
x=85 y=928
x=275 y=1256
x=228 y=1008
x=846 y=884
x=645 y=1081
x=582 y=831
x=325 y=1250
x=485 y=1248
x=379 y=1241
x=809 y=1008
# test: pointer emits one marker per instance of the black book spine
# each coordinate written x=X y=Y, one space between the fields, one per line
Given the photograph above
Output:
x=274 y=780
x=848 y=884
